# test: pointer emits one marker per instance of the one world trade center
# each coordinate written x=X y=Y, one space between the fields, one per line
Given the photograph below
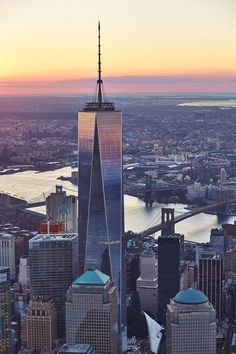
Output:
x=101 y=223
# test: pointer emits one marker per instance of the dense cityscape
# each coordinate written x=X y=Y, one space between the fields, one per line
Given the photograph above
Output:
x=190 y=164
x=118 y=223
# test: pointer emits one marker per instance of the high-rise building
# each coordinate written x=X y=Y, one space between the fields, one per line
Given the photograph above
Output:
x=147 y=283
x=7 y=252
x=210 y=280
x=61 y=207
x=53 y=261
x=5 y=312
x=168 y=271
x=91 y=312
x=41 y=324
x=24 y=278
x=76 y=349
x=190 y=324
x=100 y=192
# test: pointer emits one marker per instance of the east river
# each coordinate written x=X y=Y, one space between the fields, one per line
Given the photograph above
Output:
x=30 y=185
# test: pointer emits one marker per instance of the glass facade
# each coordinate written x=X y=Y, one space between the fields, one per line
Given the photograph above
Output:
x=101 y=198
x=100 y=192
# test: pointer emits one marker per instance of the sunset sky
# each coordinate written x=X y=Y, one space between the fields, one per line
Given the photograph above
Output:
x=50 y=46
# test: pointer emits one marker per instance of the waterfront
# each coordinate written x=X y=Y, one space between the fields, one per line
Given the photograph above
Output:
x=30 y=185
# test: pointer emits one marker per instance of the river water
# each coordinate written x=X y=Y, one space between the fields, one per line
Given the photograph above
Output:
x=31 y=185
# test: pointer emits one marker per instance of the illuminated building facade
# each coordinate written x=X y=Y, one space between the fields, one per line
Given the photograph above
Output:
x=100 y=190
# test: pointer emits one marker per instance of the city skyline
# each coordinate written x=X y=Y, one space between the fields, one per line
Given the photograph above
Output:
x=151 y=47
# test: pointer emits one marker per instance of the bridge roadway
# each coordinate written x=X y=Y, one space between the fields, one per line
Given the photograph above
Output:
x=151 y=230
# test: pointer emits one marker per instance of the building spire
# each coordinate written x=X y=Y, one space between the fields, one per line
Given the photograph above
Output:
x=99 y=102
x=99 y=81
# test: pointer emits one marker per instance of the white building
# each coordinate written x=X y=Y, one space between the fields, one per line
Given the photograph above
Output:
x=24 y=277
x=147 y=283
x=190 y=324
x=7 y=252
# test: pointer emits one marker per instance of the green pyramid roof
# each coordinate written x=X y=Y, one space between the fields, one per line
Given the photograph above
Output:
x=92 y=277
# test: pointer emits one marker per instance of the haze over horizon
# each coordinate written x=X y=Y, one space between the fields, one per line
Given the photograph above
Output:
x=51 y=47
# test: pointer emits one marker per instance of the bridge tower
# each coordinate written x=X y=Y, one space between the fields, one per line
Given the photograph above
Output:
x=167 y=221
x=148 y=195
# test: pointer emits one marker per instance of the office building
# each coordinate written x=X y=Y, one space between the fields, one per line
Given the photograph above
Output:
x=76 y=349
x=190 y=324
x=210 y=281
x=132 y=272
x=61 y=207
x=168 y=272
x=53 y=203
x=147 y=283
x=41 y=324
x=7 y=252
x=100 y=192
x=24 y=277
x=53 y=261
x=5 y=312
x=229 y=261
x=92 y=312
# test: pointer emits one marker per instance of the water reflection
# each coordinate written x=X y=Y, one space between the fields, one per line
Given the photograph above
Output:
x=29 y=185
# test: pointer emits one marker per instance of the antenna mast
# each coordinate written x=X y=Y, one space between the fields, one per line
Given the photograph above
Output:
x=99 y=81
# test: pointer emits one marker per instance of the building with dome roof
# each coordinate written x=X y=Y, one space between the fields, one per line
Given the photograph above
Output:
x=190 y=324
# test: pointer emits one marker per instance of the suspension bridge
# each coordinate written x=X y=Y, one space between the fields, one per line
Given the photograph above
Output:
x=168 y=220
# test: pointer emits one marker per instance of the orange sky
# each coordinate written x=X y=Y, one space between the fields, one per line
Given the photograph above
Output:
x=49 y=46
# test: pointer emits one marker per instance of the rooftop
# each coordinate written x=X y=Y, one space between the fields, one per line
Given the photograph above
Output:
x=52 y=237
x=190 y=296
x=92 y=277
x=76 y=348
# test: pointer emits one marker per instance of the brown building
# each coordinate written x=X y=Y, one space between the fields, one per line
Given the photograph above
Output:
x=41 y=324
x=210 y=278
x=92 y=312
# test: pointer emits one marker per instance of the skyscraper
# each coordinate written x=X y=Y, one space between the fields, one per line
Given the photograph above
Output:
x=168 y=271
x=7 y=252
x=190 y=324
x=53 y=261
x=210 y=279
x=5 y=311
x=100 y=188
x=41 y=324
x=91 y=312
x=147 y=283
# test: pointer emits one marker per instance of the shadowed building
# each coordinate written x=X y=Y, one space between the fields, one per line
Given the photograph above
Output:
x=5 y=311
x=91 y=312
x=53 y=261
x=210 y=279
x=168 y=271
x=100 y=191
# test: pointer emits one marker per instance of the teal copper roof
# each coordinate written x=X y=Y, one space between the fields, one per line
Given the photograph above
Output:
x=92 y=277
x=190 y=296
